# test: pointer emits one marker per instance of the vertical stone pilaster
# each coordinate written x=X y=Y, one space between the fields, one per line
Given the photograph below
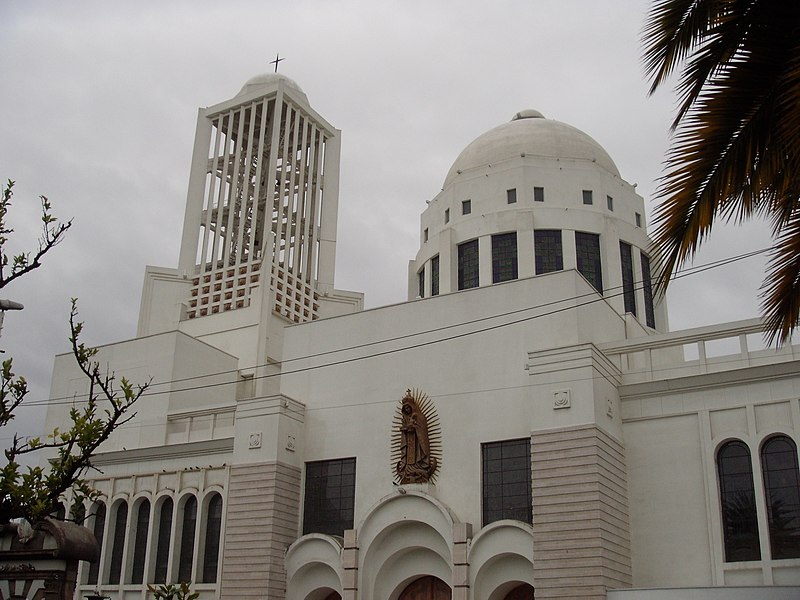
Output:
x=261 y=523
x=350 y=565
x=462 y=534
x=580 y=513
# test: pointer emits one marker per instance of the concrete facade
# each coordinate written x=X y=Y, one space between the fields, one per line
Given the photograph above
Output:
x=263 y=372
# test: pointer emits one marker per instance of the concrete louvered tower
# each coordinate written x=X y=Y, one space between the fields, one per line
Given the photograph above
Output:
x=262 y=202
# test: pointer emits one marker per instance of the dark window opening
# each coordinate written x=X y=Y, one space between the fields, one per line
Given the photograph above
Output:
x=140 y=541
x=466 y=207
x=739 y=523
x=421 y=283
x=782 y=489
x=446 y=215
x=511 y=196
x=213 y=529
x=638 y=219
x=188 y=526
x=587 y=249
x=164 y=538
x=628 y=291
x=504 y=257
x=548 y=251
x=329 y=496
x=647 y=286
x=587 y=197
x=507 y=480
x=435 y=276
x=99 y=526
x=538 y=194
x=610 y=203
x=468 y=265
x=118 y=543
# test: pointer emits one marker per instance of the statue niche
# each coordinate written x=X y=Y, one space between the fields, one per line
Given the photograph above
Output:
x=416 y=447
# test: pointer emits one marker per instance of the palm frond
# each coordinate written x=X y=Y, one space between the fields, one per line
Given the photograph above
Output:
x=736 y=146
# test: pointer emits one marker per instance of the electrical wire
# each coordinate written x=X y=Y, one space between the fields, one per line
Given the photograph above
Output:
x=592 y=298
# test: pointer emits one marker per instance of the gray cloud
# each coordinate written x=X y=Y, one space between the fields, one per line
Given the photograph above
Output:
x=99 y=102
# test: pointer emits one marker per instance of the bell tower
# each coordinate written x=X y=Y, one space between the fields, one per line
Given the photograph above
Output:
x=262 y=202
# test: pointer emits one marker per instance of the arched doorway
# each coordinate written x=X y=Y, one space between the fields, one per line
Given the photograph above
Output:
x=521 y=592
x=333 y=596
x=426 y=588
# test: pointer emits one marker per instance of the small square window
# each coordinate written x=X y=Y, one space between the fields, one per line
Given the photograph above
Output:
x=511 y=196
x=538 y=194
x=466 y=207
x=446 y=215
x=587 y=196
x=610 y=202
x=425 y=235
x=638 y=219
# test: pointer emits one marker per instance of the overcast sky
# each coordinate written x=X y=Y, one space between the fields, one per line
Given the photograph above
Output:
x=99 y=102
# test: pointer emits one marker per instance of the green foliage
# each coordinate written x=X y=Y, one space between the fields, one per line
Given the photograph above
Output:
x=25 y=262
x=172 y=591
x=36 y=492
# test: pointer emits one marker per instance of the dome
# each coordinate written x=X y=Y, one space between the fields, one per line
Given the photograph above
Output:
x=269 y=80
x=529 y=133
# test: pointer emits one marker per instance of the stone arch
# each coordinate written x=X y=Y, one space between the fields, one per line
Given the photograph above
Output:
x=314 y=567
x=501 y=558
x=403 y=537
x=427 y=587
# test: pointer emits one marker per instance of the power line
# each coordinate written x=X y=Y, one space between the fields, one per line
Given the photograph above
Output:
x=593 y=297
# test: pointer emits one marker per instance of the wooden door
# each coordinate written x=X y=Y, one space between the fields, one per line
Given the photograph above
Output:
x=426 y=588
x=521 y=592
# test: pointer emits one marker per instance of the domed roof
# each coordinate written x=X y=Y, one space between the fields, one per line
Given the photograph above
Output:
x=269 y=80
x=529 y=133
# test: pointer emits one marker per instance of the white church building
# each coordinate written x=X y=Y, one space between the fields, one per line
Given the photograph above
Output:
x=524 y=425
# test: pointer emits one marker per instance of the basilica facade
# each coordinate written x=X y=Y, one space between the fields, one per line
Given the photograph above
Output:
x=524 y=425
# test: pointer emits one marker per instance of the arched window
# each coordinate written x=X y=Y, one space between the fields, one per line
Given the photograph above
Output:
x=739 y=523
x=140 y=541
x=99 y=526
x=188 y=524
x=77 y=512
x=118 y=542
x=782 y=490
x=164 y=536
x=211 y=550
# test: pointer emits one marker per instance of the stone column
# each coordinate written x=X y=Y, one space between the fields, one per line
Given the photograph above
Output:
x=580 y=513
x=350 y=565
x=462 y=534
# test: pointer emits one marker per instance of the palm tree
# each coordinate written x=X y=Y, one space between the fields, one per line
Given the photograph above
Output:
x=736 y=144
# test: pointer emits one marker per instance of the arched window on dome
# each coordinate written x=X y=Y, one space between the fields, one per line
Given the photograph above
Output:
x=628 y=288
x=782 y=490
x=468 y=273
x=548 y=251
x=647 y=287
x=504 y=257
x=212 y=537
x=737 y=497
x=587 y=250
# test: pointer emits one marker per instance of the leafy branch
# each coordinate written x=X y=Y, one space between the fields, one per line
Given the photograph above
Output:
x=37 y=493
x=23 y=263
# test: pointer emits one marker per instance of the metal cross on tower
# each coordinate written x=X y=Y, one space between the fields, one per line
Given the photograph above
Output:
x=276 y=61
